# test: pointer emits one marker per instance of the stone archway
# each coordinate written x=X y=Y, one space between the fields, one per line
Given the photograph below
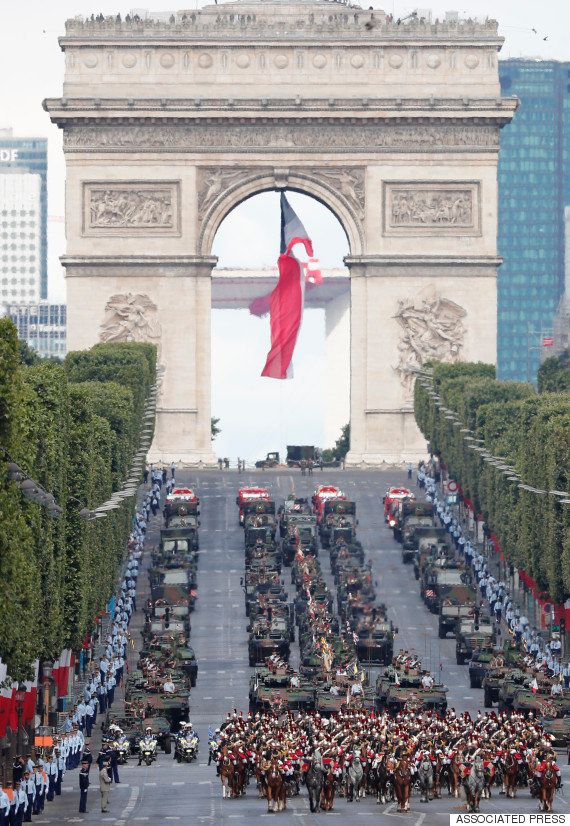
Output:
x=395 y=128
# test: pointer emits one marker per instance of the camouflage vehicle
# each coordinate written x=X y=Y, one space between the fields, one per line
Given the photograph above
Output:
x=473 y=636
x=542 y=704
x=179 y=541
x=301 y=533
x=267 y=638
x=175 y=587
x=260 y=513
x=438 y=577
x=432 y=544
x=292 y=507
x=410 y=517
x=456 y=602
x=271 y=691
x=512 y=681
x=327 y=704
x=398 y=688
x=479 y=665
x=559 y=730
x=375 y=643
x=338 y=513
x=152 y=702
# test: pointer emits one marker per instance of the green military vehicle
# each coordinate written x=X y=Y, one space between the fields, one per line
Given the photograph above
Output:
x=542 y=703
x=272 y=690
x=267 y=638
x=328 y=704
x=397 y=688
x=473 y=636
x=456 y=603
x=411 y=517
x=432 y=544
x=479 y=665
x=338 y=513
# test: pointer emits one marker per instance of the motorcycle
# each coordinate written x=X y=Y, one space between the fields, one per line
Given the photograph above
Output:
x=123 y=750
x=147 y=751
x=213 y=752
x=186 y=749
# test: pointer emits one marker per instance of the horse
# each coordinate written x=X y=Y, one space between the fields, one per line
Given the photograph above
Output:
x=382 y=779
x=226 y=775
x=354 y=777
x=548 y=781
x=327 y=791
x=239 y=778
x=276 y=791
x=425 y=780
x=489 y=776
x=474 y=784
x=511 y=775
x=437 y=772
x=402 y=784
x=314 y=782
x=261 y=782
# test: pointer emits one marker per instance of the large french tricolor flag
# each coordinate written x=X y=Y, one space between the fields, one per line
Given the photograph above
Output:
x=286 y=302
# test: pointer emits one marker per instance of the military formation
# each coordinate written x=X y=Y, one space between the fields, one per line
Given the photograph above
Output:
x=157 y=691
x=324 y=726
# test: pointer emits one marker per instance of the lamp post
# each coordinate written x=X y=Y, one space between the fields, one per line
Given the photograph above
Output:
x=47 y=671
x=20 y=698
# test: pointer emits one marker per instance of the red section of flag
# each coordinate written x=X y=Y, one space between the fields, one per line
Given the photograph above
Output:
x=286 y=307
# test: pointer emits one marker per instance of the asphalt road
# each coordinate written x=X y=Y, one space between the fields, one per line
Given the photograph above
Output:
x=172 y=793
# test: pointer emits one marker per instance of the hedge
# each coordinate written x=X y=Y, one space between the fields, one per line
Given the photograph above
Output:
x=74 y=428
x=532 y=434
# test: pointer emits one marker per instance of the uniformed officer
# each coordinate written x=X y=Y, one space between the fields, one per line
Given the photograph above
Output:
x=29 y=786
x=20 y=804
x=51 y=771
x=4 y=807
x=60 y=763
x=83 y=786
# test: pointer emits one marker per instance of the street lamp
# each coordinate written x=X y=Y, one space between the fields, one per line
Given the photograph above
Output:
x=20 y=699
x=47 y=672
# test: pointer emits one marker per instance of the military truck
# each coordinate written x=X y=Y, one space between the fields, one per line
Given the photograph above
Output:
x=398 y=688
x=431 y=544
x=302 y=453
x=267 y=638
x=457 y=602
x=260 y=513
x=541 y=703
x=272 y=690
x=479 y=666
x=375 y=644
x=301 y=532
x=409 y=517
x=338 y=513
x=271 y=460
x=438 y=577
x=473 y=636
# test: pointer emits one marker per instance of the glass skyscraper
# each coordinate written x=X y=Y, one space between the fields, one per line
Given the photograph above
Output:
x=534 y=188
x=24 y=155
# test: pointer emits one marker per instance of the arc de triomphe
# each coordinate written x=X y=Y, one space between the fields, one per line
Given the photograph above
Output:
x=169 y=124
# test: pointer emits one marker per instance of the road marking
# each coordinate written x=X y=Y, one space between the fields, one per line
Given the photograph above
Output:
x=412 y=628
x=207 y=698
x=236 y=815
x=204 y=782
x=420 y=820
x=222 y=671
x=178 y=782
x=143 y=817
x=150 y=784
x=468 y=697
x=389 y=808
x=172 y=817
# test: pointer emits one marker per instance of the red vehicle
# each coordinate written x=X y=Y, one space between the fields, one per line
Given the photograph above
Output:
x=249 y=495
x=322 y=494
x=392 y=499
x=179 y=496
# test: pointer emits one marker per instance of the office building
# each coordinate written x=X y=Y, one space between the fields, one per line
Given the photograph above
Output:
x=23 y=181
x=534 y=188
x=41 y=325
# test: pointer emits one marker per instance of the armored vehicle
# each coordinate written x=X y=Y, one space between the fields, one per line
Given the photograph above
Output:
x=473 y=636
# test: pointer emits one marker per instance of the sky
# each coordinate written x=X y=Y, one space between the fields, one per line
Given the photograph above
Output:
x=31 y=68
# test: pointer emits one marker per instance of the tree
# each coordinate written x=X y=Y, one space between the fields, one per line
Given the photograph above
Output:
x=554 y=374
x=214 y=422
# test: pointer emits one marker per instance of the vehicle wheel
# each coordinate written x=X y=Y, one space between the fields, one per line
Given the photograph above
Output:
x=193 y=682
x=167 y=745
x=474 y=683
x=460 y=659
x=442 y=633
x=487 y=702
x=251 y=662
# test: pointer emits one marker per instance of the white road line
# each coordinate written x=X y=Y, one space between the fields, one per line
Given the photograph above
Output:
x=420 y=820
x=178 y=782
x=204 y=782
x=389 y=808
x=150 y=784
x=468 y=697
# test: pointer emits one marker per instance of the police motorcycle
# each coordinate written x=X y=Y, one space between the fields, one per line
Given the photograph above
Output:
x=186 y=748
x=120 y=744
x=214 y=748
x=147 y=748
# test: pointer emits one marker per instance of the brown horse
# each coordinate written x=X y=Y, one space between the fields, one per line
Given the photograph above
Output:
x=511 y=775
x=239 y=778
x=261 y=781
x=327 y=792
x=548 y=782
x=402 y=784
x=276 y=791
x=226 y=775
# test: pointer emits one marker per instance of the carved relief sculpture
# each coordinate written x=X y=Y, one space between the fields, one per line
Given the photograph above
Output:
x=424 y=207
x=131 y=317
x=433 y=208
x=212 y=182
x=432 y=328
x=144 y=209
x=350 y=183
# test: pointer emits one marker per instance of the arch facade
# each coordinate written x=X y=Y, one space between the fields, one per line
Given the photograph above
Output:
x=168 y=126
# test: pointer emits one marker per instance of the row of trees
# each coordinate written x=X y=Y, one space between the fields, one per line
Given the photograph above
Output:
x=531 y=433
x=74 y=428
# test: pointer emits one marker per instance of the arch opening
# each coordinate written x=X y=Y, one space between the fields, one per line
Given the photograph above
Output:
x=259 y=415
